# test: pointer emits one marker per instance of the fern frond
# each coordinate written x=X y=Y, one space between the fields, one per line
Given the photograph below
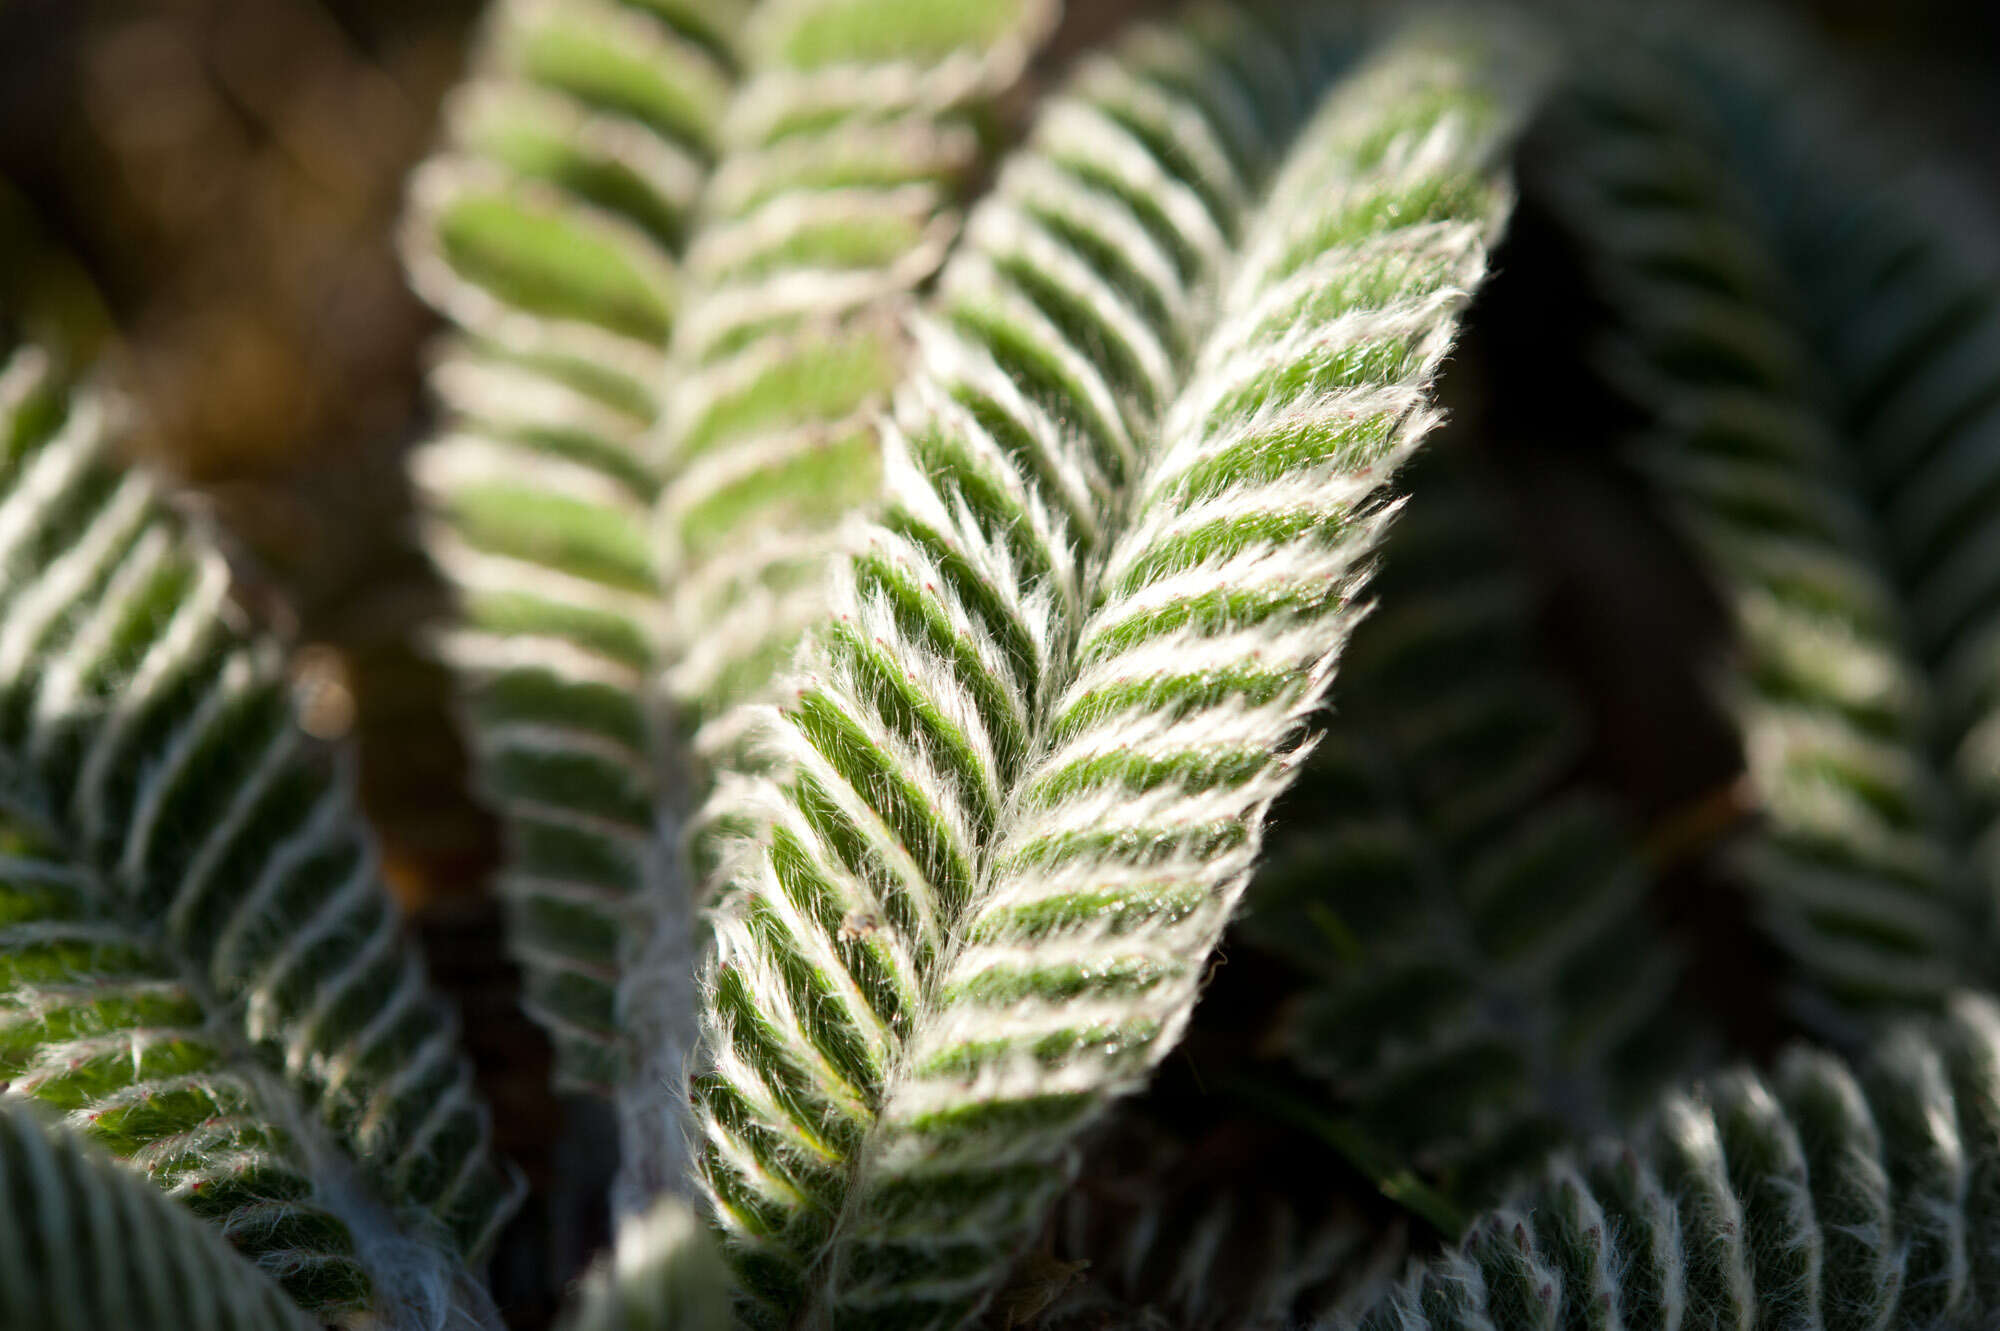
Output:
x=1857 y=863
x=664 y=1274
x=1816 y=1196
x=1484 y=982
x=548 y=231
x=207 y=972
x=86 y=1247
x=1027 y=764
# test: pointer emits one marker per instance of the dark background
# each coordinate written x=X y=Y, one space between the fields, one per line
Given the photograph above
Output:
x=229 y=173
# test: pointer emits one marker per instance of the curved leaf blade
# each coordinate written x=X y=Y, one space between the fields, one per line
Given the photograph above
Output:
x=148 y=747
x=1817 y=1196
x=84 y=1245
x=1026 y=771
x=550 y=230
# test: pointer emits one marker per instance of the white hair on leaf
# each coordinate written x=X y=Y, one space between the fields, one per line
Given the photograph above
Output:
x=1076 y=661
x=209 y=969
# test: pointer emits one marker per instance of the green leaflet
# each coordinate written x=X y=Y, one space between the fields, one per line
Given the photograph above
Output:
x=1812 y=1197
x=1133 y=489
x=860 y=127
x=86 y=1247
x=1484 y=983
x=664 y=1274
x=548 y=231
x=204 y=967
x=97 y=1026
x=1858 y=863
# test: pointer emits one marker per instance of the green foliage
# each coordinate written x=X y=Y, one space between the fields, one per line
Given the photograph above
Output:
x=902 y=577
x=1903 y=316
x=97 y=1025
x=1860 y=863
x=85 y=1246
x=604 y=357
x=1484 y=981
x=550 y=232
x=854 y=135
x=1022 y=781
x=204 y=970
x=1465 y=968
x=1815 y=1196
x=859 y=130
